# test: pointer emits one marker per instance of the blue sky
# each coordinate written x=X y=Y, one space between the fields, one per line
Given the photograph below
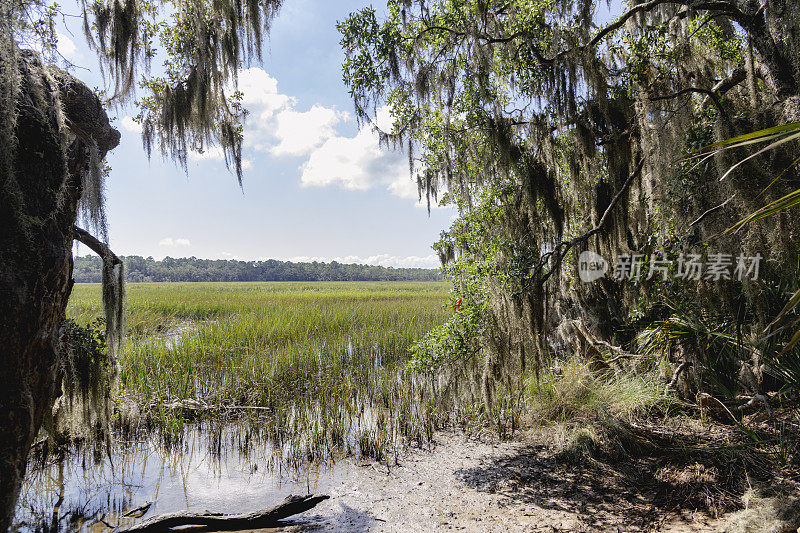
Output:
x=314 y=185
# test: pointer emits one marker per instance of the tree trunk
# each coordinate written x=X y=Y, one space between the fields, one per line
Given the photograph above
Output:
x=773 y=56
x=56 y=119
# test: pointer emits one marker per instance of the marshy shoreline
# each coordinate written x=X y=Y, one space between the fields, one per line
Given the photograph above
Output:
x=230 y=397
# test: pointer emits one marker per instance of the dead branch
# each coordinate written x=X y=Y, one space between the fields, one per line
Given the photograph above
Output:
x=196 y=405
x=758 y=398
x=623 y=355
x=713 y=209
x=709 y=94
x=269 y=517
x=95 y=245
x=590 y=346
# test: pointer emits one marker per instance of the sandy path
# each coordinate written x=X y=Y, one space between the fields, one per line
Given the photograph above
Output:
x=487 y=485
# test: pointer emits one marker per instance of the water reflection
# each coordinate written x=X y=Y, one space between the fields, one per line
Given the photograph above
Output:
x=228 y=469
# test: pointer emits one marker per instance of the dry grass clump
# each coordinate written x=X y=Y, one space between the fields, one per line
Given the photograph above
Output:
x=779 y=513
x=574 y=392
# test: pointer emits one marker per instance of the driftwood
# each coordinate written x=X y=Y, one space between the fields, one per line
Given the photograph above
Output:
x=269 y=517
x=755 y=400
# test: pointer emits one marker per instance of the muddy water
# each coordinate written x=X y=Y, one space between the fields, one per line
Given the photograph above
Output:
x=220 y=471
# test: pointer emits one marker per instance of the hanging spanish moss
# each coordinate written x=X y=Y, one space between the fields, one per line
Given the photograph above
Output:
x=194 y=106
x=554 y=133
x=114 y=305
x=83 y=411
x=91 y=208
x=54 y=136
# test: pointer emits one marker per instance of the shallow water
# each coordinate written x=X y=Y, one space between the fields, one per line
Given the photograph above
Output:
x=221 y=471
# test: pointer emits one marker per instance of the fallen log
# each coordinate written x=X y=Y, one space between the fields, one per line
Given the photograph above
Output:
x=269 y=517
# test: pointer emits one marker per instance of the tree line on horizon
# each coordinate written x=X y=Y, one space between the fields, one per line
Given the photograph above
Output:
x=88 y=269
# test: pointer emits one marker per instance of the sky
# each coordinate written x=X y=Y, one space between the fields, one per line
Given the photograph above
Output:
x=315 y=186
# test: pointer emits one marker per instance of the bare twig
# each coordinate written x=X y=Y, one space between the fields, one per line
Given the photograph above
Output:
x=713 y=209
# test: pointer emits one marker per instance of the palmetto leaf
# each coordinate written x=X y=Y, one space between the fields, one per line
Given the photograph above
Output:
x=791 y=344
x=779 y=176
x=780 y=141
x=748 y=138
x=793 y=301
x=791 y=199
x=775 y=136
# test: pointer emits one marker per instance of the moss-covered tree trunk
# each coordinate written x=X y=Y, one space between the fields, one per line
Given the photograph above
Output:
x=56 y=119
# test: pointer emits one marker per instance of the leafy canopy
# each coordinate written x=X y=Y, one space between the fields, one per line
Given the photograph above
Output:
x=554 y=130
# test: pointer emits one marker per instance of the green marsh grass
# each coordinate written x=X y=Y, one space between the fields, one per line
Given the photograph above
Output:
x=318 y=367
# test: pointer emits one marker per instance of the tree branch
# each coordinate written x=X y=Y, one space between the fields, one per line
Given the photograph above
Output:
x=723 y=86
x=710 y=94
x=675 y=375
x=96 y=245
x=564 y=247
x=723 y=7
x=713 y=209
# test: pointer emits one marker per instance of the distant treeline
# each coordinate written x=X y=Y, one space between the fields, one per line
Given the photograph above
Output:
x=138 y=269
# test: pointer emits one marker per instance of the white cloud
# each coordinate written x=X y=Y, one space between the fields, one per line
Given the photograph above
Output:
x=66 y=47
x=383 y=119
x=300 y=132
x=259 y=88
x=131 y=125
x=356 y=163
x=169 y=241
x=360 y=163
x=386 y=260
x=274 y=125
x=210 y=153
x=404 y=186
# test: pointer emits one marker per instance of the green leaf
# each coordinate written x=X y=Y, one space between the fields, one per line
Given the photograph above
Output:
x=790 y=200
x=756 y=136
x=791 y=344
x=793 y=301
x=769 y=147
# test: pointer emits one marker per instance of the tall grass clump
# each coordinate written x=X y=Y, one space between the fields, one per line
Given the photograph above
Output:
x=575 y=393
